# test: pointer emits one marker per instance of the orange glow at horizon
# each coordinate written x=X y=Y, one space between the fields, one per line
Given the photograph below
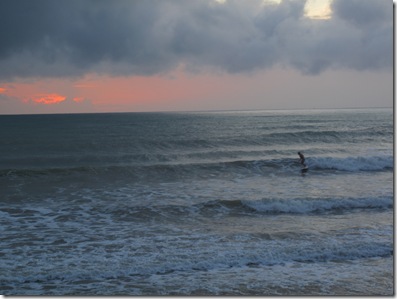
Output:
x=78 y=99
x=167 y=92
x=2 y=90
x=179 y=91
x=48 y=99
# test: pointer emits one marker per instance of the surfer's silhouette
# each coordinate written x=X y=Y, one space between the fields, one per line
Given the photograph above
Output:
x=302 y=159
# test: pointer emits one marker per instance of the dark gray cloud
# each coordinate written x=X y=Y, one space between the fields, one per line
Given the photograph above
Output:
x=363 y=12
x=120 y=37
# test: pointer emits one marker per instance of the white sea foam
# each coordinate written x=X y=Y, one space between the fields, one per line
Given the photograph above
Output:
x=154 y=204
x=360 y=163
x=312 y=205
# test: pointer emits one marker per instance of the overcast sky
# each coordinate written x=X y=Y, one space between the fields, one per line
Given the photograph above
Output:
x=164 y=55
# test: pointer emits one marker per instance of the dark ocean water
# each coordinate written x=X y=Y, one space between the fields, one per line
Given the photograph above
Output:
x=197 y=203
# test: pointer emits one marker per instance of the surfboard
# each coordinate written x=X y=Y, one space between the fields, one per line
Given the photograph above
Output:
x=304 y=169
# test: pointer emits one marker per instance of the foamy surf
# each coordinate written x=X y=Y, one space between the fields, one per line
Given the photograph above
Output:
x=197 y=204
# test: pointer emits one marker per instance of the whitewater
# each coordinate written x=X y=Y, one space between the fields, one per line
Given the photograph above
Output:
x=197 y=203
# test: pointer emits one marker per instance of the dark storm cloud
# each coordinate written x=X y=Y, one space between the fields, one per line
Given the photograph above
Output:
x=72 y=37
x=69 y=37
x=363 y=12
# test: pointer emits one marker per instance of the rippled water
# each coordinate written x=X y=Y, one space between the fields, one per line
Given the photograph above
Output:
x=197 y=203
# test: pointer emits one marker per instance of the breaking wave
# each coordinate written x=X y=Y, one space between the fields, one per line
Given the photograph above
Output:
x=372 y=163
x=287 y=166
x=298 y=206
x=317 y=205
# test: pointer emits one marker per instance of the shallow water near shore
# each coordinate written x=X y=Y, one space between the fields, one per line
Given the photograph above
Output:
x=209 y=203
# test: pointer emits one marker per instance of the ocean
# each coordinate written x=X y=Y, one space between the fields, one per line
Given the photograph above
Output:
x=197 y=203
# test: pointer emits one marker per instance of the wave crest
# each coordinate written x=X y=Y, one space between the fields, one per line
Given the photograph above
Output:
x=370 y=163
x=317 y=205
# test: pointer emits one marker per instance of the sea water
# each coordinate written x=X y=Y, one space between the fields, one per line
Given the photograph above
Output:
x=209 y=203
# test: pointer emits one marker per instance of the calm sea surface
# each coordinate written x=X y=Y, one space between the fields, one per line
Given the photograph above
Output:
x=197 y=203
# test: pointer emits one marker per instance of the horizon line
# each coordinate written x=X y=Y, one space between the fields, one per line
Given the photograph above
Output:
x=198 y=111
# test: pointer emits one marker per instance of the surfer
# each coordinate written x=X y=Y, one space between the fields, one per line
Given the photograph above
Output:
x=302 y=159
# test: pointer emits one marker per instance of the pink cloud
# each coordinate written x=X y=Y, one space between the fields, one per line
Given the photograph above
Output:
x=78 y=99
x=48 y=99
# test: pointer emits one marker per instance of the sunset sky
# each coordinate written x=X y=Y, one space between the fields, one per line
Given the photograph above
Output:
x=71 y=56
